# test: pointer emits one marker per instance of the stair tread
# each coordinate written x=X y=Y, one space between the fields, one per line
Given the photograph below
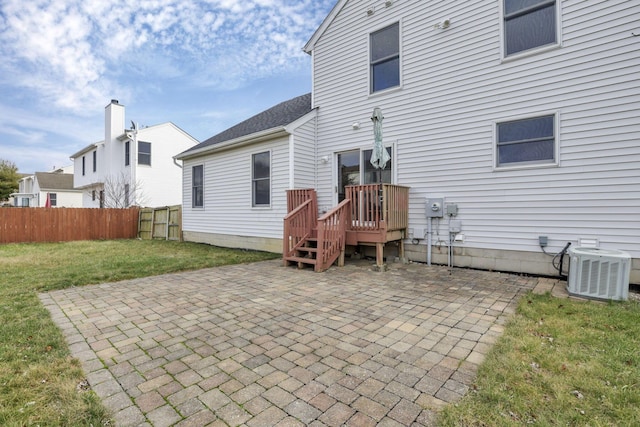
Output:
x=307 y=249
x=301 y=259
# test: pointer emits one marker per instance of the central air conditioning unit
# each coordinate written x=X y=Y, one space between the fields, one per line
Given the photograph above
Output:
x=599 y=273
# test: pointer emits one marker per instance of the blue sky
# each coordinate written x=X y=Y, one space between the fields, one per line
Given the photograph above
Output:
x=203 y=65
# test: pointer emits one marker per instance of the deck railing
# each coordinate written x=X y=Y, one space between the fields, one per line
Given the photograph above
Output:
x=378 y=206
x=332 y=228
x=395 y=207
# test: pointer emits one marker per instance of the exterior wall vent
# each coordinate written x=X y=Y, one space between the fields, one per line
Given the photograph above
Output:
x=599 y=273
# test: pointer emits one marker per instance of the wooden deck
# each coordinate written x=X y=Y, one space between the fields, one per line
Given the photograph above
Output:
x=372 y=214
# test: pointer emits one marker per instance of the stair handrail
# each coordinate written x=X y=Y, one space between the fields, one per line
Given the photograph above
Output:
x=298 y=225
x=332 y=235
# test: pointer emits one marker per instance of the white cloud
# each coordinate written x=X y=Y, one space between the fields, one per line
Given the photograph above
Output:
x=75 y=50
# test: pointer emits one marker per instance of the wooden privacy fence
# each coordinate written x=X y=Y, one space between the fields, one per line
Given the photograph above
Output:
x=22 y=225
x=161 y=223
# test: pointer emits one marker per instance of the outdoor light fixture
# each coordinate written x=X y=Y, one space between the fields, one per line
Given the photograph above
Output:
x=355 y=125
x=324 y=159
x=444 y=24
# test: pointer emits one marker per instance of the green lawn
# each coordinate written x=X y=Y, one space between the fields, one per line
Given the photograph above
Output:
x=39 y=381
x=560 y=362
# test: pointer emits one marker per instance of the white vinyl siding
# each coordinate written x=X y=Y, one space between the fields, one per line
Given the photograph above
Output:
x=305 y=163
x=455 y=88
x=227 y=192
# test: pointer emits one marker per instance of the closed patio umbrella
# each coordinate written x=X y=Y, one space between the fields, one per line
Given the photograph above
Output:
x=379 y=155
x=47 y=204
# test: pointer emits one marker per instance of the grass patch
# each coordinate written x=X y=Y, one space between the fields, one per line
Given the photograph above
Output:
x=559 y=362
x=38 y=377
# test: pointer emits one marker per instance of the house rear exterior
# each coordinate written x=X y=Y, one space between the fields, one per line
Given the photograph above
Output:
x=523 y=116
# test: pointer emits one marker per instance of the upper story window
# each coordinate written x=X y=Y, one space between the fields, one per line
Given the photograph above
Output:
x=95 y=161
x=84 y=164
x=526 y=141
x=53 y=199
x=144 y=153
x=529 y=24
x=385 y=58
x=127 y=153
x=197 y=186
x=261 y=179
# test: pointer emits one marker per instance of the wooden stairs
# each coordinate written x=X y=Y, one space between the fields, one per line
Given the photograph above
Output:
x=370 y=215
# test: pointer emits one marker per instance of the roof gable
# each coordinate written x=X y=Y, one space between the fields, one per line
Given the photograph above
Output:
x=308 y=48
x=278 y=116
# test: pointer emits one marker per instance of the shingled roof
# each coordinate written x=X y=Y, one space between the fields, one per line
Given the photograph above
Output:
x=55 y=181
x=275 y=117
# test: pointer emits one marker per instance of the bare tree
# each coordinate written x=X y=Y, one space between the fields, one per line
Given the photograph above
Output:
x=120 y=192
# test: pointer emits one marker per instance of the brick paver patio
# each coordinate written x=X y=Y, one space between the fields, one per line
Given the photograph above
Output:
x=264 y=345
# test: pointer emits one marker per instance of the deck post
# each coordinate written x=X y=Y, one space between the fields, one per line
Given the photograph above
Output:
x=380 y=256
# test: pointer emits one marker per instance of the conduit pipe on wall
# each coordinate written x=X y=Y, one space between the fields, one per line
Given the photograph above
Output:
x=429 y=234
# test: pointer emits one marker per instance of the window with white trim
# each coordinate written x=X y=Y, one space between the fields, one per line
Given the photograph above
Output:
x=197 y=186
x=144 y=153
x=384 y=58
x=261 y=179
x=529 y=24
x=526 y=141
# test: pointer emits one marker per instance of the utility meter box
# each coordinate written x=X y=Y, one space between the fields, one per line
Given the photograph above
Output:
x=434 y=207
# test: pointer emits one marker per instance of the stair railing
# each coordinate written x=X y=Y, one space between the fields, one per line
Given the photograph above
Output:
x=332 y=235
x=298 y=225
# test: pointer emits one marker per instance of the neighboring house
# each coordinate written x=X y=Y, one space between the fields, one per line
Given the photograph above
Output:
x=55 y=186
x=131 y=166
x=523 y=116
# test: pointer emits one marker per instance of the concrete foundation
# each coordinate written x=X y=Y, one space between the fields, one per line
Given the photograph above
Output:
x=233 y=241
x=535 y=263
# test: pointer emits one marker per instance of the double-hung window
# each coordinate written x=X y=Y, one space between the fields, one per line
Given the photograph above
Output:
x=261 y=179
x=197 y=186
x=529 y=24
x=384 y=58
x=144 y=153
x=95 y=161
x=526 y=141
